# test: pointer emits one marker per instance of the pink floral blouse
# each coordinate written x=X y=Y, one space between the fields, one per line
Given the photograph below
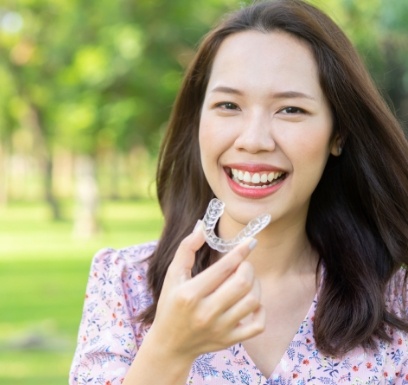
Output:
x=109 y=338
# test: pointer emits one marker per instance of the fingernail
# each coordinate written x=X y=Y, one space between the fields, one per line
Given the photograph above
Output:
x=252 y=244
x=198 y=225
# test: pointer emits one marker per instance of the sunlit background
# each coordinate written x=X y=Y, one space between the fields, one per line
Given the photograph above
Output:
x=86 y=88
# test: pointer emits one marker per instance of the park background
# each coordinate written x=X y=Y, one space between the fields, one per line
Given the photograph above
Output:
x=86 y=88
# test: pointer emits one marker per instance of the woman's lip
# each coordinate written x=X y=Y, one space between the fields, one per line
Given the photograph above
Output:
x=251 y=192
x=253 y=167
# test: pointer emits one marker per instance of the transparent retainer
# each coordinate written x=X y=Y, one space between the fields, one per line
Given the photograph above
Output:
x=214 y=211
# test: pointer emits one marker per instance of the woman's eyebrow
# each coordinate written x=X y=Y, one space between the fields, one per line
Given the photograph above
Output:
x=226 y=90
x=277 y=95
x=292 y=95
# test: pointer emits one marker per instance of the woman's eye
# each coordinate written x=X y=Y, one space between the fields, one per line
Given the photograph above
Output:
x=292 y=110
x=227 y=106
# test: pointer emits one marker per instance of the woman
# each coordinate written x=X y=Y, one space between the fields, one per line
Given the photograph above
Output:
x=276 y=115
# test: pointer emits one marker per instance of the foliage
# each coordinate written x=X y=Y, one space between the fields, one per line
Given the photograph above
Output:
x=99 y=74
x=104 y=74
x=379 y=29
x=100 y=77
x=93 y=79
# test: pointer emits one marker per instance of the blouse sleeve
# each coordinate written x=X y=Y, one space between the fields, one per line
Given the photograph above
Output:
x=108 y=335
x=397 y=303
x=397 y=294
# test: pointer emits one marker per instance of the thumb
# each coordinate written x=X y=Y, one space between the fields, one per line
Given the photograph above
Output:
x=184 y=258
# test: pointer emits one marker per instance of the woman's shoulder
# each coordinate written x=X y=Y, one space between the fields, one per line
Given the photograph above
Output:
x=122 y=269
x=396 y=294
x=120 y=277
x=131 y=257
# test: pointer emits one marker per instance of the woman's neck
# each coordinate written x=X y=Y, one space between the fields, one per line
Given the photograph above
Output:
x=284 y=257
x=283 y=251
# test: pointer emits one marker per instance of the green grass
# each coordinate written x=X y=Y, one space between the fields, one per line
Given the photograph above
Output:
x=43 y=273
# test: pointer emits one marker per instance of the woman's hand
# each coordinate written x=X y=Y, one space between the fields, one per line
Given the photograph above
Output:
x=211 y=311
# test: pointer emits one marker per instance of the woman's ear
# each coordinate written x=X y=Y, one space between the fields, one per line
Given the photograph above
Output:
x=337 y=145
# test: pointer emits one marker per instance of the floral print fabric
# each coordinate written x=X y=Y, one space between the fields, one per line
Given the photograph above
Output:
x=109 y=337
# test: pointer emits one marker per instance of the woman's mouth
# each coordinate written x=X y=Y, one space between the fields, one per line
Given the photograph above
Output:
x=255 y=180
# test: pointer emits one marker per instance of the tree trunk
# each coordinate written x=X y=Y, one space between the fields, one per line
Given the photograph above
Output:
x=36 y=122
x=50 y=198
x=114 y=173
x=34 y=119
x=87 y=198
x=4 y=174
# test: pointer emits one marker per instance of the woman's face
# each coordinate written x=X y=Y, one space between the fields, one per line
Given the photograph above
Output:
x=265 y=129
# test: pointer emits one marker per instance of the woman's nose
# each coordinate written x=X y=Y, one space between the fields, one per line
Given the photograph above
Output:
x=255 y=135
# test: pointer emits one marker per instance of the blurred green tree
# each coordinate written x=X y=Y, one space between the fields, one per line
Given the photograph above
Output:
x=97 y=79
x=95 y=76
x=379 y=28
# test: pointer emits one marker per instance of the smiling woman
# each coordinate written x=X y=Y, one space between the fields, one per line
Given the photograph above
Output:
x=276 y=116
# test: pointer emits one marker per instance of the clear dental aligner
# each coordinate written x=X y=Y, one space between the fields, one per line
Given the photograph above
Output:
x=214 y=211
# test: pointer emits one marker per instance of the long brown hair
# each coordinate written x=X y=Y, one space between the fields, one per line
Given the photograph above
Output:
x=358 y=214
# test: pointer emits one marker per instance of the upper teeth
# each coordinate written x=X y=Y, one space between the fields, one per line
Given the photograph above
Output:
x=255 y=177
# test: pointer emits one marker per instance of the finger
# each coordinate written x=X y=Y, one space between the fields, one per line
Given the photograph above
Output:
x=241 y=312
x=184 y=258
x=234 y=289
x=237 y=297
x=210 y=279
x=249 y=329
